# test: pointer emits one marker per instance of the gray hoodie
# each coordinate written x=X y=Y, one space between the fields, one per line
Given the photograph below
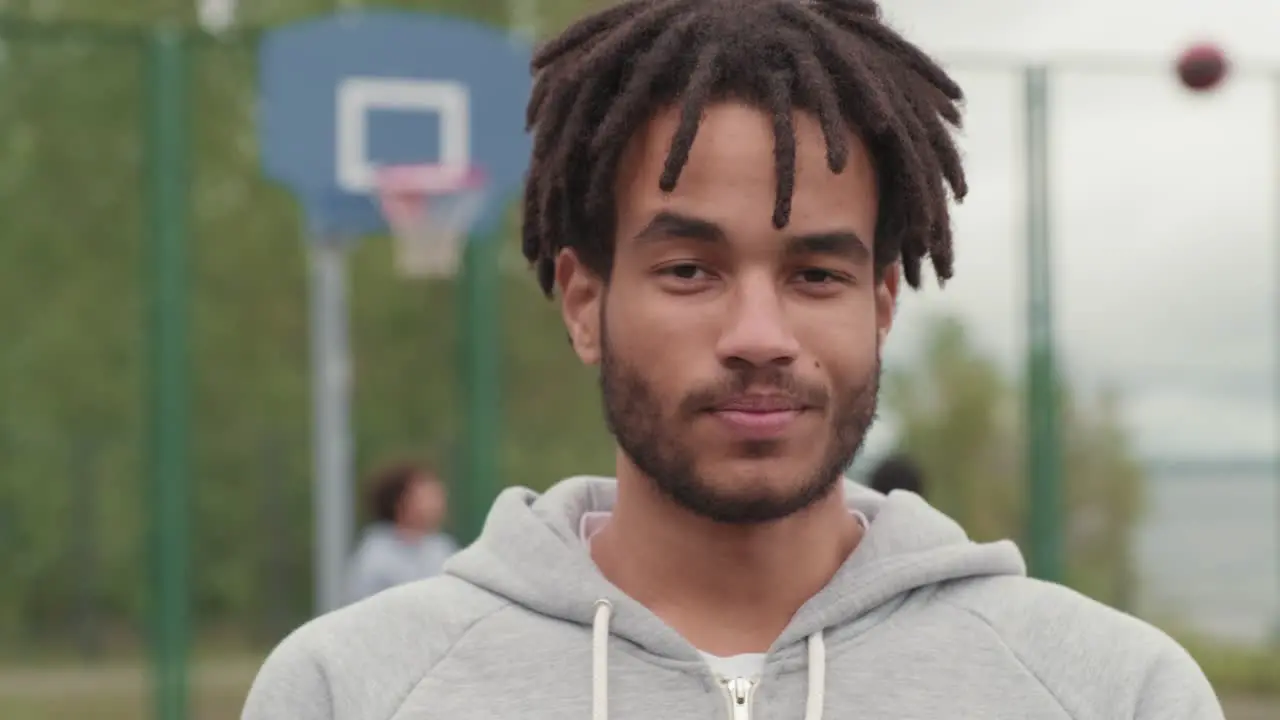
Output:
x=919 y=623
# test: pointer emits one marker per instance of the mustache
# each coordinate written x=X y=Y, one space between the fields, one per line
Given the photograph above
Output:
x=770 y=380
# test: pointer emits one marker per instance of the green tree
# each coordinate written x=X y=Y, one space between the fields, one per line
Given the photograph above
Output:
x=962 y=420
x=72 y=364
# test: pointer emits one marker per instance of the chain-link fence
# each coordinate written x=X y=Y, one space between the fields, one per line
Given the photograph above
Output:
x=78 y=371
x=1161 y=209
x=104 y=333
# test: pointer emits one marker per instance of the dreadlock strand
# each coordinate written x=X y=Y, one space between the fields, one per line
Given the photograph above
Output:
x=701 y=82
x=862 y=7
x=584 y=32
x=885 y=37
x=530 y=235
x=822 y=96
x=599 y=193
x=942 y=105
x=545 y=137
x=619 y=43
x=784 y=145
x=916 y=148
x=942 y=256
x=637 y=92
x=937 y=106
x=944 y=149
x=848 y=62
x=538 y=98
x=546 y=143
x=573 y=131
x=546 y=269
x=911 y=270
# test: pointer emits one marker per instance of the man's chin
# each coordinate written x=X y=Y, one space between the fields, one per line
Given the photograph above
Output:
x=750 y=492
x=758 y=470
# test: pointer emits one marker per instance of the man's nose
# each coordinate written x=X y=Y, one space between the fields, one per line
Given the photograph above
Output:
x=757 y=331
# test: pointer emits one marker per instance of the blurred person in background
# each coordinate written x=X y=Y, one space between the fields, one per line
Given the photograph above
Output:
x=735 y=293
x=897 y=472
x=405 y=542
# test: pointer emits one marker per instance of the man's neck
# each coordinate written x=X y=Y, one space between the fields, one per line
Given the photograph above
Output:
x=729 y=589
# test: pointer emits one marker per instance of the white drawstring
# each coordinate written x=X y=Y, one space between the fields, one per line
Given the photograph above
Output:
x=600 y=667
x=817 y=677
x=600 y=661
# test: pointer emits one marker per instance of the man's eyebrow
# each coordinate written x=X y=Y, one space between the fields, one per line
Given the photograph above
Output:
x=841 y=243
x=667 y=224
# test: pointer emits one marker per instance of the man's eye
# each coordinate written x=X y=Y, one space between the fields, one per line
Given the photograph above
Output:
x=684 y=271
x=818 y=276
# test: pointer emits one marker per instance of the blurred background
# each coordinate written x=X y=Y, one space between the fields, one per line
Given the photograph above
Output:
x=1163 y=207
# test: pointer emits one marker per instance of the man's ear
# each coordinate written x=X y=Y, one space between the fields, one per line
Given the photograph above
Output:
x=887 y=300
x=581 y=292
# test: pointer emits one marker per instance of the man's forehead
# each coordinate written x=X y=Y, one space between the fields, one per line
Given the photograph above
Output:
x=734 y=143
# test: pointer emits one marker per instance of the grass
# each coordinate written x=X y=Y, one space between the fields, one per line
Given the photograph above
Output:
x=218 y=687
x=120 y=692
x=1246 y=671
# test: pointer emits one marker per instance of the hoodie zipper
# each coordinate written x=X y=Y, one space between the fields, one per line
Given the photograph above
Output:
x=739 y=691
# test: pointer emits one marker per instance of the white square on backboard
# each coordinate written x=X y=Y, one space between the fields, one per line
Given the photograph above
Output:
x=216 y=16
x=357 y=96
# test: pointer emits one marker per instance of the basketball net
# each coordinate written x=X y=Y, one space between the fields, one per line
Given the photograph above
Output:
x=430 y=210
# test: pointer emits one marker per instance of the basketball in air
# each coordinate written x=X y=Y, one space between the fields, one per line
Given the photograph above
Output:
x=1202 y=67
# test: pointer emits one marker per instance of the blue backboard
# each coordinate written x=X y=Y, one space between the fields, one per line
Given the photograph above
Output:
x=343 y=94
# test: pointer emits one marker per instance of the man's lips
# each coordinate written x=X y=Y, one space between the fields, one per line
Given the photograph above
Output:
x=758 y=417
x=760 y=404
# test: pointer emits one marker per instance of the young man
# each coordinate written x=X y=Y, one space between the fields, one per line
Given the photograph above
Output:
x=727 y=195
x=405 y=542
x=897 y=472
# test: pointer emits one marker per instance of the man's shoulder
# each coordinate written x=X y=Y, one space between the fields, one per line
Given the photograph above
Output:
x=1022 y=605
x=431 y=611
x=1072 y=643
x=364 y=659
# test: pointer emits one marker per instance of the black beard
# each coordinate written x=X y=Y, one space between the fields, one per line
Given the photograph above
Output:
x=655 y=445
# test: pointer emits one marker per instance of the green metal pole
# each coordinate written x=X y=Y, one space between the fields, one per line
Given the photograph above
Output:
x=479 y=326
x=166 y=142
x=1044 y=452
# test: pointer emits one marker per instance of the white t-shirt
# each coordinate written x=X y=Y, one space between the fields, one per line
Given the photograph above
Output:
x=747 y=665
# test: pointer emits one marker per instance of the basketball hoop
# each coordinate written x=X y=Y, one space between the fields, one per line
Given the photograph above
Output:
x=430 y=210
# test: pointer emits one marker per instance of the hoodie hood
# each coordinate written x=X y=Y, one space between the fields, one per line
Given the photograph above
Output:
x=530 y=553
x=921 y=623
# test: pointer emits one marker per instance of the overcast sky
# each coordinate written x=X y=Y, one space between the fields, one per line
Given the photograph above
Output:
x=1163 y=207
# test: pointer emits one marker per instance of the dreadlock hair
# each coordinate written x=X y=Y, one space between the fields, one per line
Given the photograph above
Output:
x=605 y=76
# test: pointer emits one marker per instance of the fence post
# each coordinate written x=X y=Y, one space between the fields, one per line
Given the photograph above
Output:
x=275 y=576
x=1044 y=452
x=83 y=481
x=478 y=328
x=166 y=151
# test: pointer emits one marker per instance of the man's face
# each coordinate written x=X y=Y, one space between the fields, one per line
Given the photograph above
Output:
x=739 y=362
x=424 y=504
